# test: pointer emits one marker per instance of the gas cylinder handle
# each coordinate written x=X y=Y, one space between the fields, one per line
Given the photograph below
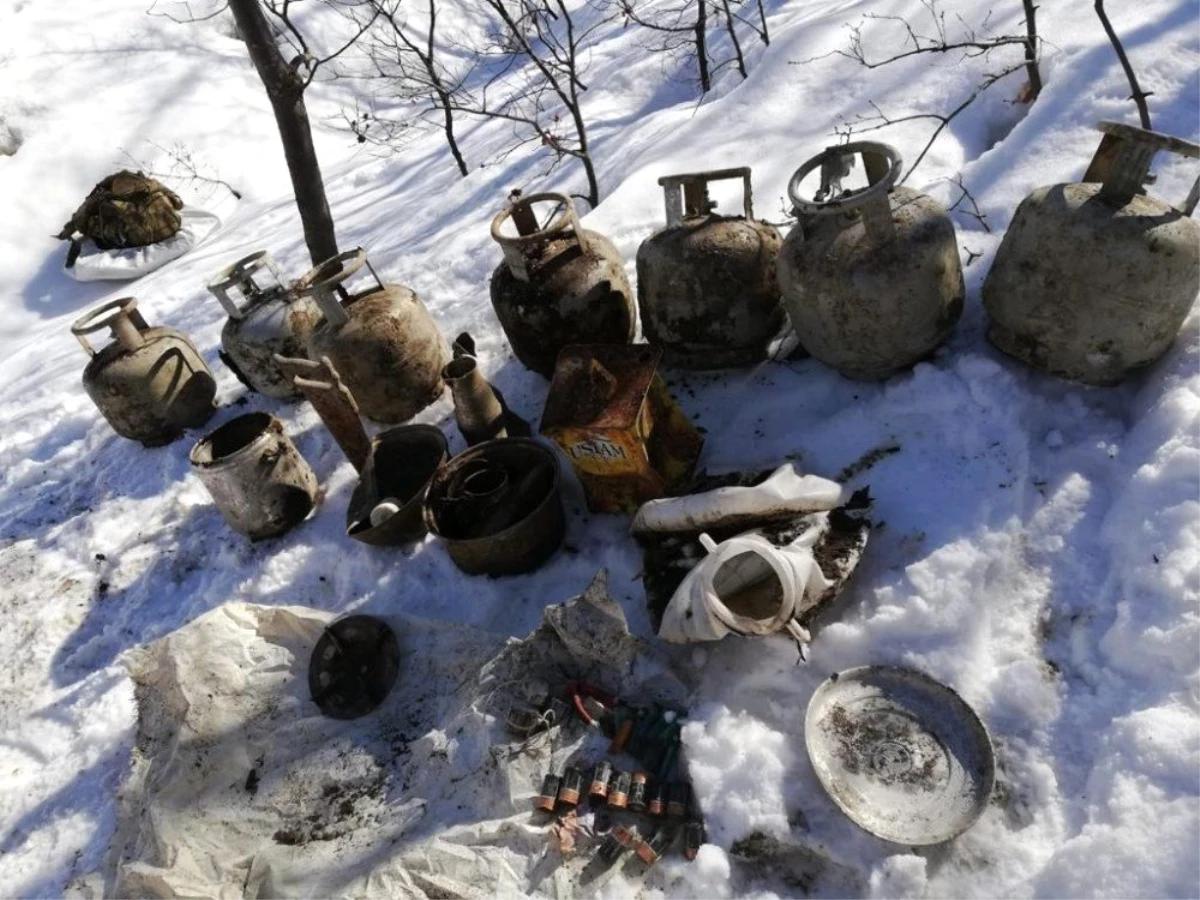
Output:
x=686 y=196
x=882 y=163
x=326 y=283
x=1122 y=162
x=529 y=235
x=239 y=275
x=121 y=316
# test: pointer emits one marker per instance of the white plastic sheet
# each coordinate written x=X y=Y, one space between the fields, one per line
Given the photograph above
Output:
x=425 y=797
x=94 y=264
x=785 y=491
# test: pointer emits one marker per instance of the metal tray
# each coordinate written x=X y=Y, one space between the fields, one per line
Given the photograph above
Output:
x=903 y=755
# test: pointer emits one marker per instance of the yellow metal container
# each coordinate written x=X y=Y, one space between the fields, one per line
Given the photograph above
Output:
x=626 y=437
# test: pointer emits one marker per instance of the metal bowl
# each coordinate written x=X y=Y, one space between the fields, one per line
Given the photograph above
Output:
x=401 y=465
x=903 y=755
x=515 y=524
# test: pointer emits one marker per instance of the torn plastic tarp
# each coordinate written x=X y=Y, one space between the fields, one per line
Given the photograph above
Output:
x=240 y=788
x=94 y=264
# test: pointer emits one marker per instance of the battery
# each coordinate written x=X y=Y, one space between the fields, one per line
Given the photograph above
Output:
x=546 y=799
x=637 y=791
x=651 y=850
x=600 y=777
x=571 y=787
x=693 y=837
x=617 y=842
x=618 y=790
x=678 y=799
x=657 y=804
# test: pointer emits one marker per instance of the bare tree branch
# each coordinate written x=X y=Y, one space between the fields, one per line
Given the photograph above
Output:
x=881 y=120
x=183 y=168
x=973 y=212
x=1138 y=96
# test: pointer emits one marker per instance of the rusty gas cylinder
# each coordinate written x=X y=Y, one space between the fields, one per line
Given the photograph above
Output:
x=256 y=476
x=548 y=796
x=272 y=318
x=559 y=284
x=381 y=340
x=871 y=278
x=707 y=289
x=149 y=383
x=1095 y=279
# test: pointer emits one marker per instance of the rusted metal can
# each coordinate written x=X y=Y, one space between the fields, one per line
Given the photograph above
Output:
x=512 y=526
x=256 y=476
x=558 y=285
x=637 y=791
x=626 y=437
x=571 y=788
x=618 y=790
x=150 y=383
x=549 y=794
x=707 y=288
x=601 y=774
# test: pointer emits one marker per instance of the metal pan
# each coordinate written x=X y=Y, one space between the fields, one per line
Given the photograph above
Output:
x=903 y=755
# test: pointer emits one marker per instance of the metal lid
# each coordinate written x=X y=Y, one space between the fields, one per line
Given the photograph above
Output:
x=353 y=666
x=903 y=755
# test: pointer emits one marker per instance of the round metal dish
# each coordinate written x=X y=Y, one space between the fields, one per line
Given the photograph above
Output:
x=353 y=666
x=903 y=755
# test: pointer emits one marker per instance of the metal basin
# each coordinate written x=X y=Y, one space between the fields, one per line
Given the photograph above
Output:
x=400 y=467
x=903 y=755
x=498 y=507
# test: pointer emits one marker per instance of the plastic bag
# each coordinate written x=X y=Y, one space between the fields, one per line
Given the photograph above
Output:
x=786 y=491
x=94 y=264
x=747 y=585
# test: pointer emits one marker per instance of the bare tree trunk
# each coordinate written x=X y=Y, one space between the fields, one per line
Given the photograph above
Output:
x=1032 y=72
x=451 y=139
x=1138 y=96
x=737 y=45
x=702 y=44
x=762 y=17
x=428 y=59
x=285 y=90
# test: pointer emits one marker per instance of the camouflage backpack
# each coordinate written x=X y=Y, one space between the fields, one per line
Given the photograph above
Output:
x=127 y=209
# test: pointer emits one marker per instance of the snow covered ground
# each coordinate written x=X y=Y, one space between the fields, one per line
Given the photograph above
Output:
x=1041 y=549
